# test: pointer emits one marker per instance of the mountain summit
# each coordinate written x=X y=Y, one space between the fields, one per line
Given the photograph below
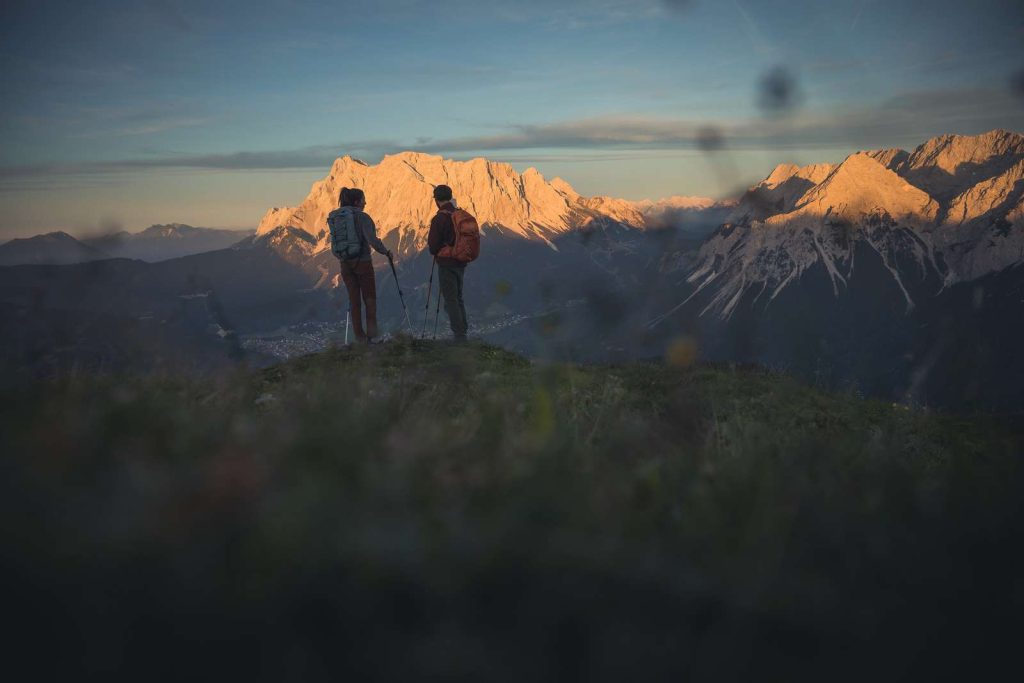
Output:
x=162 y=242
x=859 y=186
x=53 y=248
x=398 y=196
x=950 y=211
x=948 y=165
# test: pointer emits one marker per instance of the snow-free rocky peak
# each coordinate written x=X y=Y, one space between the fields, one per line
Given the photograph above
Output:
x=779 y=192
x=860 y=186
x=52 y=248
x=948 y=165
x=399 y=198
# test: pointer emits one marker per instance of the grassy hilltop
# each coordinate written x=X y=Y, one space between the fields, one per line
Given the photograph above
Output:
x=421 y=510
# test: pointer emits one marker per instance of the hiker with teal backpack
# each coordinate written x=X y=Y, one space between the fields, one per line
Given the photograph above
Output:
x=353 y=232
x=454 y=241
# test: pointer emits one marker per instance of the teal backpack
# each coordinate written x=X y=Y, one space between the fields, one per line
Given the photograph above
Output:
x=346 y=238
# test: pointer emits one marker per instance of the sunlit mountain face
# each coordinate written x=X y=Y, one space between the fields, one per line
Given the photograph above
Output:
x=820 y=197
x=897 y=273
x=950 y=211
x=892 y=273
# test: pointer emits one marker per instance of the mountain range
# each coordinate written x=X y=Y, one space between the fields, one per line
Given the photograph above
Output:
x=893 y=273
x=896 y=272
x=399 y=196
x=162 y=242
x=531 y=225
x=155 y=243
x=951 y=211
x=53 y=248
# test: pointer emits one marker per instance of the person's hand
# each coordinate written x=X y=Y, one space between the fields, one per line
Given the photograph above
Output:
x=390 y=255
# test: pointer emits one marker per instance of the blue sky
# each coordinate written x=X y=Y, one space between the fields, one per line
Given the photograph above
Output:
x=124 y=114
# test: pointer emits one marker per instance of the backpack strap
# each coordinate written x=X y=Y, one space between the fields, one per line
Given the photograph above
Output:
x=451 y=214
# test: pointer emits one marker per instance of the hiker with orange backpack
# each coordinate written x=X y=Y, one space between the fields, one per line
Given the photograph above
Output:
x=352 y=234
x=454 y=241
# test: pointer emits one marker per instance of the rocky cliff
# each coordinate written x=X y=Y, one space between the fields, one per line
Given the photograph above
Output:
x=950 y=211
x=399 y=198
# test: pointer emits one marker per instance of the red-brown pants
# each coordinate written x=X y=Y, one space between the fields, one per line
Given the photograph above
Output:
x=361 y=283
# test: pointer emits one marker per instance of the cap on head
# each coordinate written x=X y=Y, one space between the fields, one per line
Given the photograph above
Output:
x=442 y=193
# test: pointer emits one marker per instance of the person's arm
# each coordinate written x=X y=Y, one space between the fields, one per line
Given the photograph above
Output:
x=435 y=238
x=370 y=232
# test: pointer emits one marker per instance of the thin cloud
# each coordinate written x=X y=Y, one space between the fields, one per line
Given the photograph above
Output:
x=156 y=126
x=63 y=74
x=909 y=117
x=580 y=14
x=905 y=120
x=91 y=122
x=605 y=132
x=316 y=156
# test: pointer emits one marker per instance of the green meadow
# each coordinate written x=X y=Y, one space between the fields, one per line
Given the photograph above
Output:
x=422 y=510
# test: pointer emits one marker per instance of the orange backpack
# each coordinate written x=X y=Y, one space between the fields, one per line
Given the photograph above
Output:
x=467 y=238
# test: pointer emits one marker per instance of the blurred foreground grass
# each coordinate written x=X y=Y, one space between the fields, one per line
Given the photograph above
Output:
x=421 y=510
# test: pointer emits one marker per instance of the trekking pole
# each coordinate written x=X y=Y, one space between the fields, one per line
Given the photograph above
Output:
x=348 y=316
x=400 y=294
x=426 y=310
x=437 y=311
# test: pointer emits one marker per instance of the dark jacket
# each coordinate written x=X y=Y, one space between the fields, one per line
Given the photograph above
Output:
x=442 y=233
